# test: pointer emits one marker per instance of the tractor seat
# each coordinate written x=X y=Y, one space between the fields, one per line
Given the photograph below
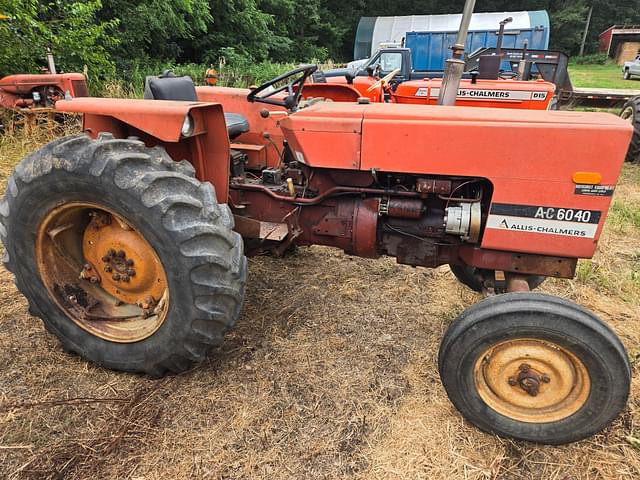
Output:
x=236 y=124
x=169 y=87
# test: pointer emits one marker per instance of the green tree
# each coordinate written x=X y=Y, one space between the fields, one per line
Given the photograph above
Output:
x=239 y=30
x=155 y=29
x=70 y=29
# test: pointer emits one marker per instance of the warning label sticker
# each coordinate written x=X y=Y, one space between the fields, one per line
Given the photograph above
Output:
x=480 y=94
x=567 y=222
x=595 y=190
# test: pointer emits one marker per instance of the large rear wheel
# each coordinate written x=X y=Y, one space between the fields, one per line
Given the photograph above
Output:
x=534 y=367
x=631 y=113
x=125 y=256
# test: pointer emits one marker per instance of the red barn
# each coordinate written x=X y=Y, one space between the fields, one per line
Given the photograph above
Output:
x=621 y=42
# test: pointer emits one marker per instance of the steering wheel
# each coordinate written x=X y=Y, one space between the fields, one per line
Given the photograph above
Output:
x=383 y=81
x=295 y=82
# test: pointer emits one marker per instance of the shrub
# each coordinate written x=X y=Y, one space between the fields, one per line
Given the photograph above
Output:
x=592 y=59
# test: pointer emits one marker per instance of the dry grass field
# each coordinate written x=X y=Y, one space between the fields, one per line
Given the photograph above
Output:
x=330 y=374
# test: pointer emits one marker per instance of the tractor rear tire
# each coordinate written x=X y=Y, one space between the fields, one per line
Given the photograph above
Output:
x=472 y=278
x=141 y=193
x=631 y=113
x=534 y=367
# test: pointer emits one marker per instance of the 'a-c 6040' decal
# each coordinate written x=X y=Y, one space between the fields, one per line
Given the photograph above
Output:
x=570 y=222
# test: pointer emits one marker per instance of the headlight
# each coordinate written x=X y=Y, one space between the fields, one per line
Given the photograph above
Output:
x=187 y=126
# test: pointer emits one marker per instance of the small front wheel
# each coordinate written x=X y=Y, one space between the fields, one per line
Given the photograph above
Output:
x=534 y=367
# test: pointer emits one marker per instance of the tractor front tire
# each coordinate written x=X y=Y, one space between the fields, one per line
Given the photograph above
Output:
x=631 y=113
x=126 y=257
x=534 y=367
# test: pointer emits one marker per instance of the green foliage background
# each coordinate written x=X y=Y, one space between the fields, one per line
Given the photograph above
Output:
x=135 y=37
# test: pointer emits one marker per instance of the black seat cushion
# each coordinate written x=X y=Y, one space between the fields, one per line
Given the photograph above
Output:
x=169 y=87
x=236 y=124
x=173 y=88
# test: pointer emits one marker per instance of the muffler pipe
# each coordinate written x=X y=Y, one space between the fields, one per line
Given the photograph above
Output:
x=51 y=62
x=454 y=67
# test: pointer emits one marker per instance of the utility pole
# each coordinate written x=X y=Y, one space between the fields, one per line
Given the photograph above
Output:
x=586 y=31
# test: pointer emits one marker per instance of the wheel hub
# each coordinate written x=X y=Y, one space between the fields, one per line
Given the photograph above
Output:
x=102 y=272
x=529 y=380
x=132 y=272
x=532 y=380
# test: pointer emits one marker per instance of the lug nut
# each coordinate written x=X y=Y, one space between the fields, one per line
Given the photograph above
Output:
x=129 y=263
x=525 y=367
x=513 y=382
x=121 y=253
x=87 y=266
x=111 y=252
x=545 y=378
x=116 y=276
x=108 y=269
x=125 y=278
x=93 y=279
x=131 y=272
x=106 y=258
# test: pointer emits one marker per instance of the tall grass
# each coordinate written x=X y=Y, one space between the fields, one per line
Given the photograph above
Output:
x=129 y=83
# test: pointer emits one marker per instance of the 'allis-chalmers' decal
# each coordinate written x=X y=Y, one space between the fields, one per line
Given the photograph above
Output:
x=484 y=94
x=570 y=222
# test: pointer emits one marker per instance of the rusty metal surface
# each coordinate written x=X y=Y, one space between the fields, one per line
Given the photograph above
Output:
x=256 y=154
x=250 y=228
x=365 y=228
x=405 y=208
x=334 y=226
x=532 y=380
x=559 y=267
x=431 y=185
x=81 y=278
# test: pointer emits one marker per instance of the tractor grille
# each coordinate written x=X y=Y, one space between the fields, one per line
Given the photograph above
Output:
x=79 y=88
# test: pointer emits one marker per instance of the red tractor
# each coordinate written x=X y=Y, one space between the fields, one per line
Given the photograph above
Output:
x=32 y=94
x=130 y=240
x=26 y=92
x=499 y=93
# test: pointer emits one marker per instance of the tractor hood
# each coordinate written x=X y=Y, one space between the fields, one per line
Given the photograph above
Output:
x=428 y=139
x=24 y=83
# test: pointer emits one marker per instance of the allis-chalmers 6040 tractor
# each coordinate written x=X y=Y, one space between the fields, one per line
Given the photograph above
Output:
x=130 y=240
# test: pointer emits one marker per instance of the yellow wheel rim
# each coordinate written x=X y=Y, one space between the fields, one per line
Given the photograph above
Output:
x=101 y=272
x=532 y=380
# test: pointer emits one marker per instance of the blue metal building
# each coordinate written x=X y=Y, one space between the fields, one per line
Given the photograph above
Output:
x=430 y=36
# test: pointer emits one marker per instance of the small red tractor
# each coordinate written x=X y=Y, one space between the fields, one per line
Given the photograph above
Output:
x=33 y=94
x=130 y=240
